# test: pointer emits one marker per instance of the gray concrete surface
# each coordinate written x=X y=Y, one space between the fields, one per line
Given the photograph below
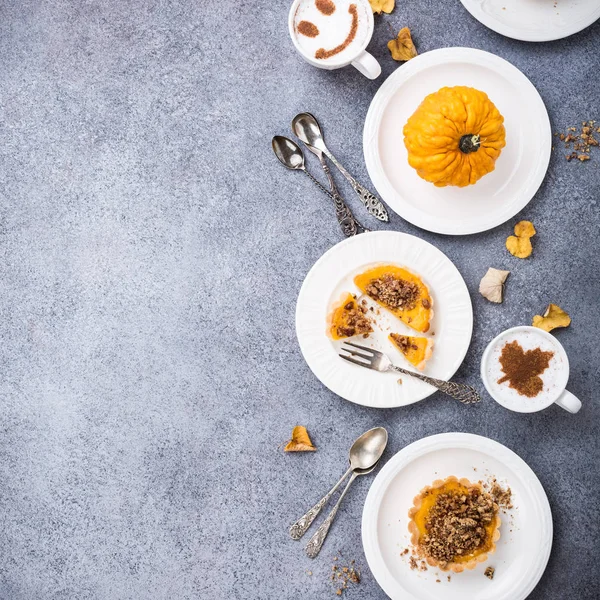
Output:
x=151 y=253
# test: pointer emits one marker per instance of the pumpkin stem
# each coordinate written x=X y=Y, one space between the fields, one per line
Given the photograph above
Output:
x=469 y=143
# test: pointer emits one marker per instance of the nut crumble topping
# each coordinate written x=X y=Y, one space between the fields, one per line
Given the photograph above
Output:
x=394 y=292
x=403 y=342
x=456 y=525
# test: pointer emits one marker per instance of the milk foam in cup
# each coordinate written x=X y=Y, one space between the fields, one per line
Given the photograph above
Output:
x=330 y=34
x=554 y=377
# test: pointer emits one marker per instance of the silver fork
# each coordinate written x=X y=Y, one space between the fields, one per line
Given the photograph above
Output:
x=373 y=359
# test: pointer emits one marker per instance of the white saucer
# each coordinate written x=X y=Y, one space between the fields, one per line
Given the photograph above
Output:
x=333 y=274
x=535 y=20
x=496 y=197
x=522 y=552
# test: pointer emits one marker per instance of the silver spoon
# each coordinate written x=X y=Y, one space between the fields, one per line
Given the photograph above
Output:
x=364 y=455
x=291 y=156
x=307 y=128
x=342 y=210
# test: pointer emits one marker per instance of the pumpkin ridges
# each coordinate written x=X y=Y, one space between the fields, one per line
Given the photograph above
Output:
x=433 y=132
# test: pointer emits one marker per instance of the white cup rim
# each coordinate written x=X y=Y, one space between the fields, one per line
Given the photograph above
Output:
x=331 y=65
x=525 y=408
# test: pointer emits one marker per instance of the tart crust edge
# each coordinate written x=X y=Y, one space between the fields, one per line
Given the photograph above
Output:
x=414 y=530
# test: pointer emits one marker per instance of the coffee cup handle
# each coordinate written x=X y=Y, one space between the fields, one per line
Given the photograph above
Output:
x=367 y=64
x=569 y=402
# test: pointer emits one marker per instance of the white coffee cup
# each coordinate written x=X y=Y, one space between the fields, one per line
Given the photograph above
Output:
x=555 y=381
x=358 y=57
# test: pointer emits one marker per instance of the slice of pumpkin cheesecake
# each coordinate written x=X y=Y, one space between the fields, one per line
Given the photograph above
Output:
x=348 y=318
x=401 y=292
x=416 y=350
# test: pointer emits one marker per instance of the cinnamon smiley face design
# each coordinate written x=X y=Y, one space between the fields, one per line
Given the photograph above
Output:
x=326 y=29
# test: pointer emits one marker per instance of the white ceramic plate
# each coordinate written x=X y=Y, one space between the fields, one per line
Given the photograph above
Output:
x=497 y=196
x=525 y=536
x=334 y=273
x=535 y=20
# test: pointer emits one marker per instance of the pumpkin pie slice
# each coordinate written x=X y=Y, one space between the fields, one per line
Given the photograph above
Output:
x=348 y=318
x=401 y=292
x=416 y=350
x=454 y=524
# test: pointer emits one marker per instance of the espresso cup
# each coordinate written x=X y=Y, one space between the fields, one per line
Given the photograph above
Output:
x=355 y=54
x=554 y=378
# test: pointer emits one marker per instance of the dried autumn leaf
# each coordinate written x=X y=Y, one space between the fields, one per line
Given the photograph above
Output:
x=402 y=48
x=379 y=6
x=300 y=441
x=519 y=245
x=492 y=284
x=554 y=317
x=525 y=229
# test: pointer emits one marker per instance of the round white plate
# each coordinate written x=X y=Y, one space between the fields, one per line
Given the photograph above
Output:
x=334 y=273
x=525 y=535
x=535 y=20
x=497 y=196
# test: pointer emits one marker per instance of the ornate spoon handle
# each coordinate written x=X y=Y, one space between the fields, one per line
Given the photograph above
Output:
x=350 y=226
x=316 y=541
x=300 y=527
x=373 y=205
x=460 y=391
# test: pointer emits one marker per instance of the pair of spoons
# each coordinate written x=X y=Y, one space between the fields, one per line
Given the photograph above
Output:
x=307 y=128
x=364 y=457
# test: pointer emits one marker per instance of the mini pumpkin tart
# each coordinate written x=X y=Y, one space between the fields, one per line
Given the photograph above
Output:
x=454 y=137
x=348 y=318
x=401 y=292
x=454 y=524
x=416 y=350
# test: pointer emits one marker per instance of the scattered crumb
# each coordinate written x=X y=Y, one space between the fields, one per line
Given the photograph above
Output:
x=489 y=572
x=580 y=142
x=438 y=581
x=449 y=578
x=309 y=573
x=342 y=575
x=399 y=382
x=423 y=566
x=413 y=563
x=404 y=552
x=502 y=497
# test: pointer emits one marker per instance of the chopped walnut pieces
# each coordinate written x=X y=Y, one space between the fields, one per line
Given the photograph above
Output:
x=580 y=142
x=502 y=497
x=489 y=572
x=456 y=524
x=394 y=292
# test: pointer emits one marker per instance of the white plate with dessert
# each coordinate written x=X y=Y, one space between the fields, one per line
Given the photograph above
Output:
x=535 y=20
x=466 y=174
x=498 y=552
x=392 y=292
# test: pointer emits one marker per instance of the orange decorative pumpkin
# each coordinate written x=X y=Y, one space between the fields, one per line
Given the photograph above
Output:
x=454 y=137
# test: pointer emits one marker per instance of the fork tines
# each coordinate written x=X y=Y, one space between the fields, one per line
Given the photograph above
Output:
x=369 y=355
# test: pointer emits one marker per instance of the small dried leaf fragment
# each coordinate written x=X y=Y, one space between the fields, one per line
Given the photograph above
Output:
x=300 y=441
x=554 y=317
x=379 y=6
x=402 y=47
x=519 y=245
x=491 y=285
x=525 y=229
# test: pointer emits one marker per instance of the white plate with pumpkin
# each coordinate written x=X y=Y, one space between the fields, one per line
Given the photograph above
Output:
x=457 y=141
x=535 y=20
x=440 y=328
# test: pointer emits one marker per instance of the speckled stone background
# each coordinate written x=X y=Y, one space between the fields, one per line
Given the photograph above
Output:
x=152 y=250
